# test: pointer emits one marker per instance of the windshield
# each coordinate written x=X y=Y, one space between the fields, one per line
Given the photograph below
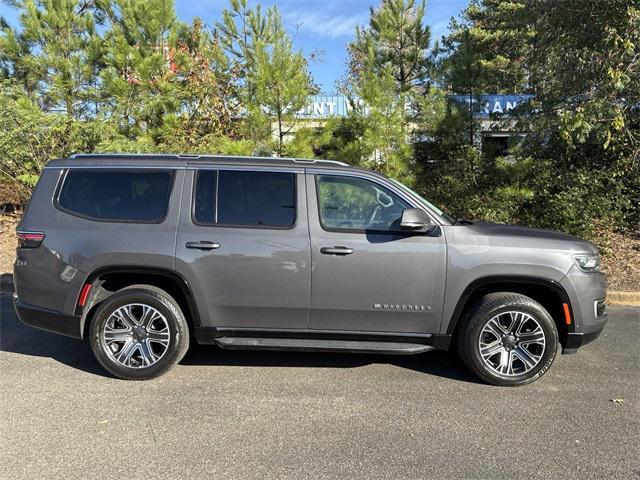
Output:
x=426 y=202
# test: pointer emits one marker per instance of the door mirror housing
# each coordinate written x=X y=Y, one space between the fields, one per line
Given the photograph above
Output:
x=415 y=220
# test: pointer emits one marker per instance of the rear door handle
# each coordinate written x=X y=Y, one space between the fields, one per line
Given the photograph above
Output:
x=204 y=245
x=336 y=250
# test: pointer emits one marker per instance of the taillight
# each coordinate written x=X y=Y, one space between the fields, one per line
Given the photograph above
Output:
x=30 y=239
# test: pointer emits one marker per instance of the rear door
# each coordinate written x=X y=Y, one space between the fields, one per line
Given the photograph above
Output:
x=243 y=245
x=367 y=275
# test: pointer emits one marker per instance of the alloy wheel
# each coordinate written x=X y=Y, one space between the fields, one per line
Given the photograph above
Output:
x=512 y=343
x=136 y=335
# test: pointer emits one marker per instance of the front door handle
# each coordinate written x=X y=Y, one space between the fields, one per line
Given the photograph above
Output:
x=204 y=245
x=336 y=250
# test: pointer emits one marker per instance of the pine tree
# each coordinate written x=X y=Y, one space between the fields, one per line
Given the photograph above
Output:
x=242 y=28
x=389 y=64
x=282 y=83
x=585 y=71
x=239 y=30
x=205 y=88
x=487 y=48
x=139 y=79
x=577 y=168
x=401 y=42
x=274 y=82
x=16 y=61
x=462 y=70
x=55 y=52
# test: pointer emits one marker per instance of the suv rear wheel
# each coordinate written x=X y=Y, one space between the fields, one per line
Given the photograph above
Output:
x=508 y=339
x=139 y=332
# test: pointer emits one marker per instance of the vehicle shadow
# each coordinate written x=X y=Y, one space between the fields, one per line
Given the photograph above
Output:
x=6 y=282
x=437 y=363
x=15 y=337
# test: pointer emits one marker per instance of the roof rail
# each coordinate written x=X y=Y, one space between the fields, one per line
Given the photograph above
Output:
x=312 y=161
x=111 y=155
x=212 y=157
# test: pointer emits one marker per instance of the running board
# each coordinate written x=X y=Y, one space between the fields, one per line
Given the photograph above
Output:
x=318 y=345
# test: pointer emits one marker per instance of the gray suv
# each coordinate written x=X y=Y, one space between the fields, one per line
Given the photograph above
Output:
x=143 y=253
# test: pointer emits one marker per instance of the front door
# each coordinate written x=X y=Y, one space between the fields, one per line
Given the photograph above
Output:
x=243 y=246
x=368 y=276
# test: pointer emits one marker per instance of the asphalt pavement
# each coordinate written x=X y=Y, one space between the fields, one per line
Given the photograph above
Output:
x=233 y=414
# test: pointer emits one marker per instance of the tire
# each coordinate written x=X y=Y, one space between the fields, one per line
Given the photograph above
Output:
x=139 y=333
x=512 y=354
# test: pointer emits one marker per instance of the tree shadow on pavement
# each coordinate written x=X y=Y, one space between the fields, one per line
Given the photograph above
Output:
x=15 y=337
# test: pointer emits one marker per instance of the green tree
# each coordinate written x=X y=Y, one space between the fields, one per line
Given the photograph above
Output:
x=55 y=52
x=585 y=139
x=401 y=43
x=16 y=62
x=241 y=28
x=205 y=89
x=385 y=139
x=282 y=83
x=30 y=137
x=376 y=133
x=577 y=168
x=273 y=79
x=139 y=81
x=242 y=31
x=462 y=70
x=486 y=50
x=389 y=64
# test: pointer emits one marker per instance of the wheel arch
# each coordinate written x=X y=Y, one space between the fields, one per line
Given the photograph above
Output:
x=549 y=293
x=107 y=280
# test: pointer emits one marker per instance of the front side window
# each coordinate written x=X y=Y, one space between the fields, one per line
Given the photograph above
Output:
x=245 y=198
x=118 y=196
x=349 y=203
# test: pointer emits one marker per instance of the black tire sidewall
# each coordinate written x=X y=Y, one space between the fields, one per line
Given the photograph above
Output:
x=477 y=323
x=166 y=306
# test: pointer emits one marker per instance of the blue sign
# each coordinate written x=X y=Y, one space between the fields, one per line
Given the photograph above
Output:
x=486 y=105
x=327 y=106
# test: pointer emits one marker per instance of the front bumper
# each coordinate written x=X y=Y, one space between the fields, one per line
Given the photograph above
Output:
x=50 y=320
x=576 y=340
x=587 y=293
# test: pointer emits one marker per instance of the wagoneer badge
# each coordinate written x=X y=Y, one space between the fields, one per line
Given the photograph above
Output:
x=397 y=306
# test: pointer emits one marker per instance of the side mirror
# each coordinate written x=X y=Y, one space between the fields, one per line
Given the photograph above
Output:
x=415 y=220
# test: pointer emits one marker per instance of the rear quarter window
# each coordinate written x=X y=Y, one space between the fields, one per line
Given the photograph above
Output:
x=116 y=196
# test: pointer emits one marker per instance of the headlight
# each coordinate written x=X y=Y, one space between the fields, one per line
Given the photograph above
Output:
x=588 y=263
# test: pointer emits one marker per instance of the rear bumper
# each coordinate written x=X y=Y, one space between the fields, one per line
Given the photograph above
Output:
x=49 y=320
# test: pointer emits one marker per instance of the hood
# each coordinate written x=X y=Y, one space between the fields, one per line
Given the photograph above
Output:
x=537 y=237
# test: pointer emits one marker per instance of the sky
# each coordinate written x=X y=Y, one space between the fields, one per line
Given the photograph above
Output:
x=323 y=27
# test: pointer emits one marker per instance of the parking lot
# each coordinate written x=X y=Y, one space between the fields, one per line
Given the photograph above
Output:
x=231 y=414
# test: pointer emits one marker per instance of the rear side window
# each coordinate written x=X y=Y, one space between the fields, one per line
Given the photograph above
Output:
x=245 y=198
x=117 y=196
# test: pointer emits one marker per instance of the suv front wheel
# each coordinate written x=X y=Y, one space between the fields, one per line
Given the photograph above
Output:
x=139 y=332
x=508 y=339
